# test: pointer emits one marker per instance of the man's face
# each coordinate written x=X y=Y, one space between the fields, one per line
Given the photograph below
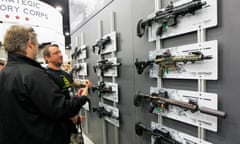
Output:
x=55 y=57
x=1 y=66
x=35 y=51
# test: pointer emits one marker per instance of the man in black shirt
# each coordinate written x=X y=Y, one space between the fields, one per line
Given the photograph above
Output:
x=53 y=57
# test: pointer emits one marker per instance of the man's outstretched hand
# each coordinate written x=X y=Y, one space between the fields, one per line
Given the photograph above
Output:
x=75 y=119
x=82 y=92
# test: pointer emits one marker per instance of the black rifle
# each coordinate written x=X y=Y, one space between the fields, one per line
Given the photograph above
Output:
x=74 y=54
x=76 y=69
x=162 y=136
x=102 y=89
x=168 y=16
x=103 y=112
x=104 y=65
x=101 y=44
x=161 y=100
x=78 y=52
x=168 y=62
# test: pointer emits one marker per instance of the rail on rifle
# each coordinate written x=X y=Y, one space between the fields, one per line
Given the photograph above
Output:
x=168 y=17
x=161 y=100
x=167 y=62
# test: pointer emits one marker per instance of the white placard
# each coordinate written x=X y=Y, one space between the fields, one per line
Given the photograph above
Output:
x=83 y=54
x=204 y=69
x=111 y=46
x=111 y=72
x=113 y=96
x=203 y=18
x=115 y=114
x=83 y=71
x=177 y=135
x=209 y=100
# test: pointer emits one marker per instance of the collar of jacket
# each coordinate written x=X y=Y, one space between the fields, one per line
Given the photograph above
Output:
x=13 y=57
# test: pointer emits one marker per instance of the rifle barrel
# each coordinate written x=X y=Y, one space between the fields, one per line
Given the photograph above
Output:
x=193 y=107
x=213 y=112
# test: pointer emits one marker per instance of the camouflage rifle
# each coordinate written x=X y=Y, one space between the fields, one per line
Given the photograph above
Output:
x=167 y=62
x=161 y=100
x=168 y=16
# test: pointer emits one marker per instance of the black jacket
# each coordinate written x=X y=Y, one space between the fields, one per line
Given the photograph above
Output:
x=32 y=108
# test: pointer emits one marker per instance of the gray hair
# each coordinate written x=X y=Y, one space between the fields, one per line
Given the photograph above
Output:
x=16 y=38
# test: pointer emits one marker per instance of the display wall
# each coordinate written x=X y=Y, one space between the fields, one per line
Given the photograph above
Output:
x=130 y=47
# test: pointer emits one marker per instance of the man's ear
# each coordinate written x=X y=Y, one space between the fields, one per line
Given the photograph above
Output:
x=46 y=58
x=30 y=44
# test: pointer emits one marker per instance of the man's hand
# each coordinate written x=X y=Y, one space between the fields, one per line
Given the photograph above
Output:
x=76 y=118
x=87 y=83
x=82 y=92
x=79 y=84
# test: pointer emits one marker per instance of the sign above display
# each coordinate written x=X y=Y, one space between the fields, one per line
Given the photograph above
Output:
x=30 y=12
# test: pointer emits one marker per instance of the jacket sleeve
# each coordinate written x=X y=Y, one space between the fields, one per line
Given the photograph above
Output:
x=47 y=97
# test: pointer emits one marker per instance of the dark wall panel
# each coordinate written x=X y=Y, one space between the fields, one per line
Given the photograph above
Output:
x=130 y=47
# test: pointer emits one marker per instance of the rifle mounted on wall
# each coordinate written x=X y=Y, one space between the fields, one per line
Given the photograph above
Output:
x=167 y=62
x=102 y=89
x=101 y=44
x=77 y=52
x=162 y=136
x=162 y=100
x=104 y=65
x=76 y=69
x=102 y=112
x=168 y=16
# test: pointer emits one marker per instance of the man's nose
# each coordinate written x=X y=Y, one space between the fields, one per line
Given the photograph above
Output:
x=60 y=53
